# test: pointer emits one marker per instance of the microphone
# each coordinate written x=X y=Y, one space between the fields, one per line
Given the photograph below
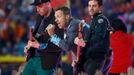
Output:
x=45 y=31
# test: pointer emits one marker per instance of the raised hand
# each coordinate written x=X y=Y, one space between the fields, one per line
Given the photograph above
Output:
x=50 y=29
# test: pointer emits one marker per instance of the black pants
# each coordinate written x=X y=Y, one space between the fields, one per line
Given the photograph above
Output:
x=91 y=65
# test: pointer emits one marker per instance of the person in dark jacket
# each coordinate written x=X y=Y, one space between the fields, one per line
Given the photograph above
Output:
x=97 y=50
x=43 y=55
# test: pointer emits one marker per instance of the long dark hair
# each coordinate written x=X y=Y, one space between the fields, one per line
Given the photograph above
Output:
x=118 y=24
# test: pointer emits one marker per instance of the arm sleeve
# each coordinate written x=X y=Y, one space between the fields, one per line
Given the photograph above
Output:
x=85 y=31
x=62 y=43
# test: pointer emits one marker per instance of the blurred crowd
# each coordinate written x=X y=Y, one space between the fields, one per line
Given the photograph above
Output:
x=16 y=16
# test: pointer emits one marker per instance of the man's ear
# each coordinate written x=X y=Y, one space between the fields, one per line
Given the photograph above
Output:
x=67 y=17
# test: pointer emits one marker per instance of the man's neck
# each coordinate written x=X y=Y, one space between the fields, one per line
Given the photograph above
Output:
x=92 y=17
x=65 y=27
x=68 y=23
x=96 y=14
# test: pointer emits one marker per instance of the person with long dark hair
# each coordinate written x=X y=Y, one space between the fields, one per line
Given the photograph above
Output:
x=121 y=43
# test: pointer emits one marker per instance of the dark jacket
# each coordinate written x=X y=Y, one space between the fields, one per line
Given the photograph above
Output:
x=98 y=44
x=49 y=55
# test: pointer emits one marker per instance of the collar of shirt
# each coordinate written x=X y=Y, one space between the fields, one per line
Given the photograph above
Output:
x=96 y=14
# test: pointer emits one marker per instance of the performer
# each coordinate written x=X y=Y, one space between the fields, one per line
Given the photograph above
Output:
x=70 y=25
x=43 y=54
x=122 y=43
x=96 y=53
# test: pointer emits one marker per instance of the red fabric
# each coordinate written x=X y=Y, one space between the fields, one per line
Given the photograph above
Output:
x=70 y=56
x=132 y=3
x=121 y=44
x=58 y=3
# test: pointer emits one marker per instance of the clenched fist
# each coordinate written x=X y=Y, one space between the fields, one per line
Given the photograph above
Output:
x=50 y=29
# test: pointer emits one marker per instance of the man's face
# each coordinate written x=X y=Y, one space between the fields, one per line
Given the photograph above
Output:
x=43 y=9
x=93 y=7
x=60 y=19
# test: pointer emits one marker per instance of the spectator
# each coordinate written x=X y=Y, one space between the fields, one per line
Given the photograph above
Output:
x=121 y=43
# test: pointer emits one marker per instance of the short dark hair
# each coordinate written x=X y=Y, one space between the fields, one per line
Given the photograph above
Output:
x=65 y=10
x=100 y=2
x=118 y=24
